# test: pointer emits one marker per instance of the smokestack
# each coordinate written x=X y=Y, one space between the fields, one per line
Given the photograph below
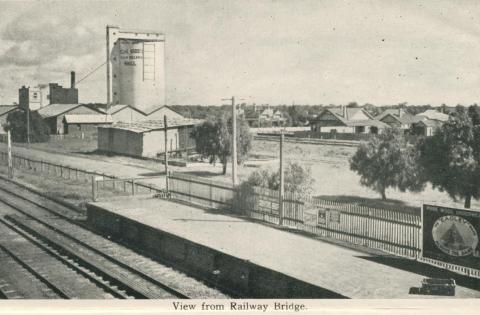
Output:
x=72 y=79
x=344 y=111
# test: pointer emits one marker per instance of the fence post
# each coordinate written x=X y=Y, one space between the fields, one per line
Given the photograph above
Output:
x=133 y=187
x=282 y=180
x=94 y=196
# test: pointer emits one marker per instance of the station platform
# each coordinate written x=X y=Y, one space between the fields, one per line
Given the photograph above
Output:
x=258 y=260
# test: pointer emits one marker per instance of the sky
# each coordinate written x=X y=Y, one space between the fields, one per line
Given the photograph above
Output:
x=276 y=52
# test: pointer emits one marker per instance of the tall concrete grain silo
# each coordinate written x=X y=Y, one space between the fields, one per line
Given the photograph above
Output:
x=135 y=68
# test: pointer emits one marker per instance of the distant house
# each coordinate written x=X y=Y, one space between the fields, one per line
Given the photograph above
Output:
x=398 y=118
x=426 y=127
x=428 y=122
x=346 y=120
x=433 y=115
x=271 y=117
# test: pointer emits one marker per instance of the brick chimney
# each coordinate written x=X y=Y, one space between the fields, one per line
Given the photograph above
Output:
x=344 y=111
x=72 y=79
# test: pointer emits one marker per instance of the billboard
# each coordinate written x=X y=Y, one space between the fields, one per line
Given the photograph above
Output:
x=451 y=235
x=135 y=68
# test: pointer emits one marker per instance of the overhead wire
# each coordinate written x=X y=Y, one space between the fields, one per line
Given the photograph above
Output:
x=90 y=73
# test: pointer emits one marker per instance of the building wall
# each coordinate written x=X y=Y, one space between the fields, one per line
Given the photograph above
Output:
x=339 y=129
x=147 y=144
x=154 y=142
x=128 y=115
x=61 y=95
x=77 y=130
x=23 y=99
x=56 y=123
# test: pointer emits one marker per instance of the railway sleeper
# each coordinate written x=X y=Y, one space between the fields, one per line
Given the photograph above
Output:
x=133 y=284
x=41 y=273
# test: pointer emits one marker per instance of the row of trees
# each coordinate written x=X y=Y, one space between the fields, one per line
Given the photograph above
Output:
x=449 y=160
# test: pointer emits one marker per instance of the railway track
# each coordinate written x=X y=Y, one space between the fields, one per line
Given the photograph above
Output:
x=93 y=263
x=346 y=143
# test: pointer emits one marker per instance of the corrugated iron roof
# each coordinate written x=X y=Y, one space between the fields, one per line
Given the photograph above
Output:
x=151 y=125
x=88 y=119
x=53 y=110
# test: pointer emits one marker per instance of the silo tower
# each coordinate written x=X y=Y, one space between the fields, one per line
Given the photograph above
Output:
x=135 y=68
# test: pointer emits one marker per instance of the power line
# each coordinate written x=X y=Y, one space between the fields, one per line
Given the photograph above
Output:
x=90 y=73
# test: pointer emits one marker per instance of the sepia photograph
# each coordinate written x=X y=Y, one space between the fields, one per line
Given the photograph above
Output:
x=240 y=155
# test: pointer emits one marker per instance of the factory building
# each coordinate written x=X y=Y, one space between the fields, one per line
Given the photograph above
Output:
x=147 y=138
x=45 y=94
x=135 y=68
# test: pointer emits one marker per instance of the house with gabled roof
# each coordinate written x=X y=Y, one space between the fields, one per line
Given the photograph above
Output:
x=346 y=120
x=398 y=118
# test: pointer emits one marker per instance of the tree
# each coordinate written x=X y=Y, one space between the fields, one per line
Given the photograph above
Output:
x=387 y=161
x=298 y=179
x=213 y=140
x=39 y=131
x=450 y=159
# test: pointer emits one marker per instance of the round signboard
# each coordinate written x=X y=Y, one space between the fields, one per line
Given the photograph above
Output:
x=454 y=235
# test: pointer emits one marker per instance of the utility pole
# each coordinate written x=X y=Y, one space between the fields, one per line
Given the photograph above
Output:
x=234 y=140
x=9 y=152
x=166 y=151
x=28 y=123
x=282 y=181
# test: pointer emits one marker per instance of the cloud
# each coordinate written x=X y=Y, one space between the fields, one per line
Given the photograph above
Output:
x=38 y=39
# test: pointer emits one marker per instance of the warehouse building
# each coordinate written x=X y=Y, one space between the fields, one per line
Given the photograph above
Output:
x=54 y=115
x=147 y=138
x=81 y=126
x=128 y=113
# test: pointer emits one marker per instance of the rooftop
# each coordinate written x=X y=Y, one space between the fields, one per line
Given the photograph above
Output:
x=434 y=114
x=151 y=125
x=53 y=110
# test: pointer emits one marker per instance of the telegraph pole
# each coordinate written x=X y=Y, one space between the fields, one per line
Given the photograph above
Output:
x=9 y=152
x=282 y=181
x=234 y=140
x=28 y=123
x=166 y=152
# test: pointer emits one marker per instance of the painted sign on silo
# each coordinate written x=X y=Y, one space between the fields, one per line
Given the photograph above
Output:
x=135 y=68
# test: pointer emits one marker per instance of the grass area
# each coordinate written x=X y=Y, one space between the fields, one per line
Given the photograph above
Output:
x=77 y=193
x=329 y=167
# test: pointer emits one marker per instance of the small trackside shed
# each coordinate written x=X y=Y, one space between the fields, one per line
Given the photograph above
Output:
x=147 y=138
x=85 y=125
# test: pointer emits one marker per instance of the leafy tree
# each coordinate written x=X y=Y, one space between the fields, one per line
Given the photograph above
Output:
x=213 y=140
x=387 y=161
x=450 y=159
x=298 y=179
x=39 y=131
